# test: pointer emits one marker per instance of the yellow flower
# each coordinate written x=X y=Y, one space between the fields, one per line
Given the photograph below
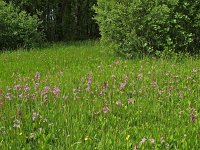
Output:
x=86 y=138
x=128 y=137
x=20 y=133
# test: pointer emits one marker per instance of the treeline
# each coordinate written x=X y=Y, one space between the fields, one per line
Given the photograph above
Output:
x=62 y=19
x=57 y=20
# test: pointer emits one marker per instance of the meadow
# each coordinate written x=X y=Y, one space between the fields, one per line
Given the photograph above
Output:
x=82 y=96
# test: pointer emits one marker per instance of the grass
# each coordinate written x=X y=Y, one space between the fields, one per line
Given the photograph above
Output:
x=81 y=96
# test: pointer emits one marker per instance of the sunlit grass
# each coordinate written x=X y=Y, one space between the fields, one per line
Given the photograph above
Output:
x=81 y=96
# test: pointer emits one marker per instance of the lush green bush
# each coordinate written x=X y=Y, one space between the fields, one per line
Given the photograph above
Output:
x=157 y=26
x=17 y=28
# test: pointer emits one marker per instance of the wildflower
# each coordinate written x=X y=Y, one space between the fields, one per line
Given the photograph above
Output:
x=100 y=92
x=32 y=135
x=8 y=96
x=26 y=88
x=113 y=76
x=86 y=138
x=106 y=110
x=105 y=85
x=118 y=103
x=194 y=71
x=56 y=91
x=45 y=90
x=167 y=146
x=193 y=115
x=17 y=87
x=128 y=137
x=20 y=133
x=40 y=129
x=36 y=86
x=8 y=89
x=135 y=147
x=89 y=82
x=35 y=116
x=143 y=141
x=130 y=101
x=122 y=85
x=16 y=124
x=152 y=141
x=140 y=76
x=162 y=140
x=37 y=76
x=126 y=76
x=65 y=97
x=19 y=113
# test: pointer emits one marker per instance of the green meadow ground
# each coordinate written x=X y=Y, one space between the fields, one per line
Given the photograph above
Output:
x=81 y=96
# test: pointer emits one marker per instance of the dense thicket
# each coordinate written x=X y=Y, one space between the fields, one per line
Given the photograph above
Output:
x=62 y=19
x=17 y=28
x=156 y=26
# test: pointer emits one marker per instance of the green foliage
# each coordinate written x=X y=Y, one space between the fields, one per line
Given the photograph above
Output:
x=17 y=28
x=158 y=27
x=63 y=20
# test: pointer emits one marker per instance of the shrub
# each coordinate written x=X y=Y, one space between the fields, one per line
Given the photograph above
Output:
x=17 y=28
x=157 y=26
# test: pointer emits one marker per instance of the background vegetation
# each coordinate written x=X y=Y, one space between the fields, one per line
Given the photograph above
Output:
x=17 y=28
x=57 y=20
x=157 y=26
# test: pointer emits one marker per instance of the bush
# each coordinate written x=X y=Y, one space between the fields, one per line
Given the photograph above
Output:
x=157 y=26
x=17 y=29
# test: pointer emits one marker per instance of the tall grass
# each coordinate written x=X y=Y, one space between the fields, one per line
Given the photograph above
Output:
x=80 y=96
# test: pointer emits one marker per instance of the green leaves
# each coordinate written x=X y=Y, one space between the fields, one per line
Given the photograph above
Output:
x=18 y=29
x=162 y=26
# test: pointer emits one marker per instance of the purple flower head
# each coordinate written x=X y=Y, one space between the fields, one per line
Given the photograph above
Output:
x=106 y=110
x=17 y=87
x=100 y=92
x=123 y=85
x=37 y=76
x=193 y=115
x=19 y=112
x=46 y=90
x=105 y=84
x=89 y=82
x=56 y=91
x=36 y=86
x=26 y=88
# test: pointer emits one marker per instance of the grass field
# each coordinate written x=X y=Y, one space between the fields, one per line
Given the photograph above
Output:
x=81 y=96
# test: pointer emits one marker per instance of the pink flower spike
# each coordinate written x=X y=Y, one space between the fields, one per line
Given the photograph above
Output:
x=100 y=92
x=105 y=84
x=17 y=87
x=106 y=110
x=56 y=91
x=37 y=76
